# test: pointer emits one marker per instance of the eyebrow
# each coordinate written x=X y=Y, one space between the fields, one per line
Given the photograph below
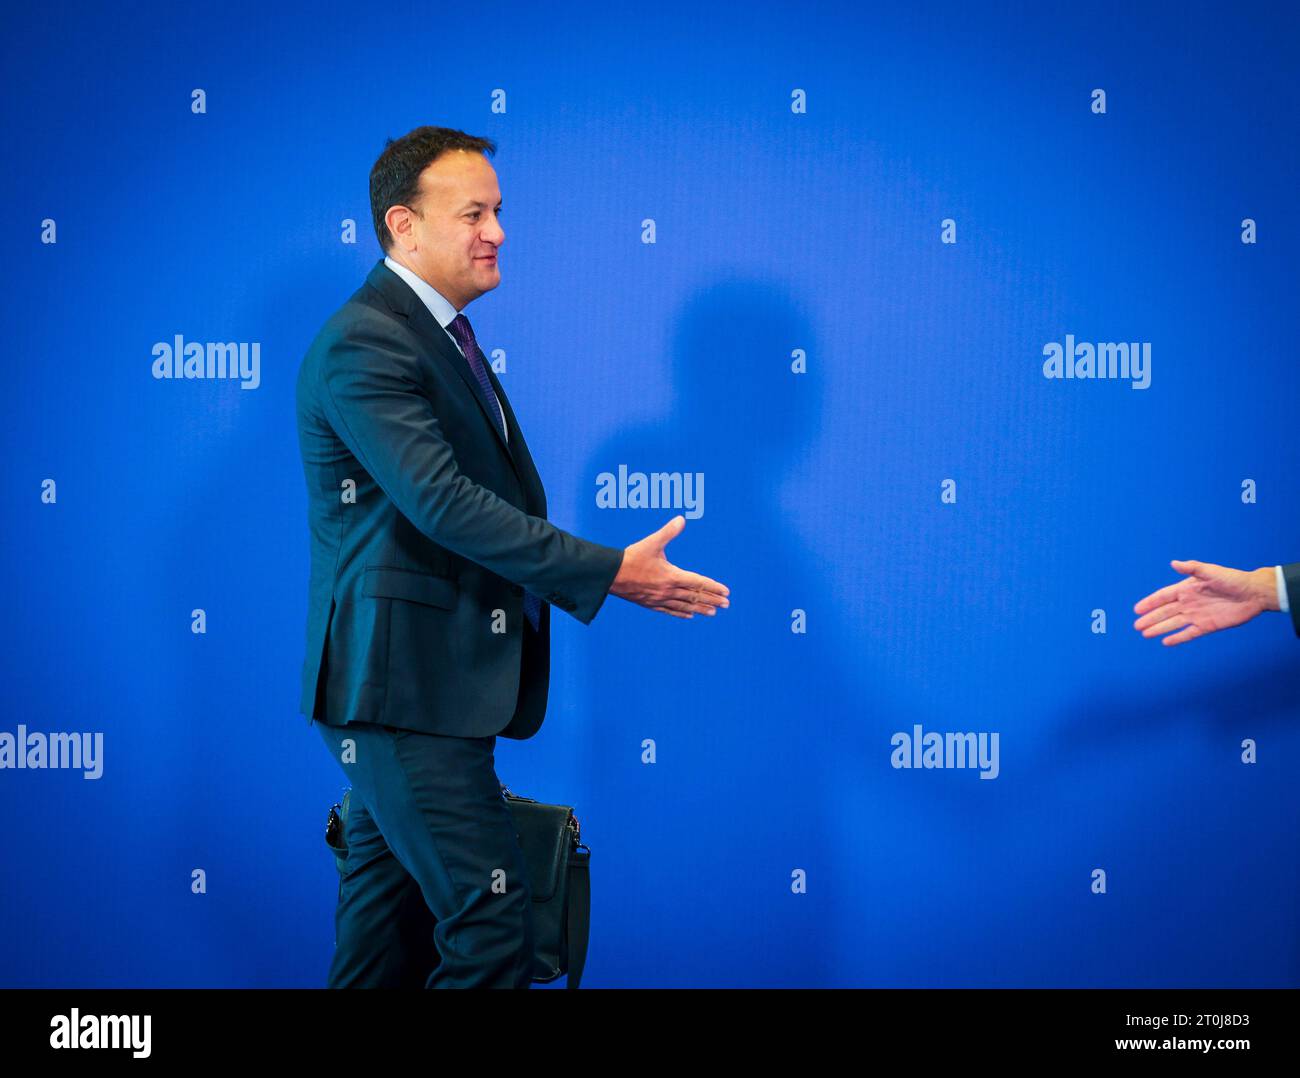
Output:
x=480 y=205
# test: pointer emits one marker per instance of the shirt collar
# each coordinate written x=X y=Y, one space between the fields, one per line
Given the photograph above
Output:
x=439 y=306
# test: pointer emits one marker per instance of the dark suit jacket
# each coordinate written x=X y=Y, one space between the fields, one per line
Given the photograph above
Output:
x=1291 y=580
x=426 y=526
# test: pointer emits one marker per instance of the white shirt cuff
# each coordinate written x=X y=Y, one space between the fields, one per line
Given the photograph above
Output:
x=1281 y=589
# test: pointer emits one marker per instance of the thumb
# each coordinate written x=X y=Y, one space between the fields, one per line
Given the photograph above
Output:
x=669 y=531
x=1190 y=568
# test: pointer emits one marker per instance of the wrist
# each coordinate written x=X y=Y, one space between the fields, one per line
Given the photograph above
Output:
x=618 y=572
x=1265 y=586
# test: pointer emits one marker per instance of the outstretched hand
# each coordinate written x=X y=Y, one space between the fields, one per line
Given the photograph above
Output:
x=649 y=579
x=1209 y=598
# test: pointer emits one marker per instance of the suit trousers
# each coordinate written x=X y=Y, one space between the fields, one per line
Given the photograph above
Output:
x=435 y=891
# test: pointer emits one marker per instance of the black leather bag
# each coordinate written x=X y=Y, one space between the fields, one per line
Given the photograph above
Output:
x=558 y=875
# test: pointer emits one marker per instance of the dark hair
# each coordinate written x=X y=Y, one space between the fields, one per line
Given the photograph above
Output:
x=395 y=178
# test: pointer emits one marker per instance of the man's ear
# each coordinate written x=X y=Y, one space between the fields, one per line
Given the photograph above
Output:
x=399 y=220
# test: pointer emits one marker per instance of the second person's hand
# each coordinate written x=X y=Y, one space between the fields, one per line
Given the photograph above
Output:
x=1209 y=598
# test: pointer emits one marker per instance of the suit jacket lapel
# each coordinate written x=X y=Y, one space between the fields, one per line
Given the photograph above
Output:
x=403 y=300
x=525 y=467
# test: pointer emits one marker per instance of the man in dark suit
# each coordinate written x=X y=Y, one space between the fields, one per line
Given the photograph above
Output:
x=433 y=570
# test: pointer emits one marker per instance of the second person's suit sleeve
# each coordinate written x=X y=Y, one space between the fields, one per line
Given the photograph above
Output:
x=1291 y=579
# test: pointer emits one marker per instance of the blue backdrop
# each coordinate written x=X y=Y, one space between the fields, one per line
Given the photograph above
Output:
x=798 y=163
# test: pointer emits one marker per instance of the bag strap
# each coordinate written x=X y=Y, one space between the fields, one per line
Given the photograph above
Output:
x=577 y=906
x=579 y=922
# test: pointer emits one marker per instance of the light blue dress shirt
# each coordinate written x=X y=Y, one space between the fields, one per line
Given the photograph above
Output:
x=441 y=309
x=1281 y=588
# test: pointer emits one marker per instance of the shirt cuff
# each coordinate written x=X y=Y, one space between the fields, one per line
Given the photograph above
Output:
x=1281 y=589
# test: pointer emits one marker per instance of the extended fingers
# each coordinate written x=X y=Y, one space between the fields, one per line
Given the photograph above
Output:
x=1190 y=633
x=686 y=594
x=694 y=581
x=686 y=607
x=1159 y=613
x=1169 y=624
x=703 y=601
x=1159 y=598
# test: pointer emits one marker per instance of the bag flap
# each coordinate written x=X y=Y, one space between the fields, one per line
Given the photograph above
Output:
x=544 y=835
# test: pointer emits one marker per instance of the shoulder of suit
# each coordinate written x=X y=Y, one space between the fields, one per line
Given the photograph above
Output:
x=365 y=318
x=357 y=326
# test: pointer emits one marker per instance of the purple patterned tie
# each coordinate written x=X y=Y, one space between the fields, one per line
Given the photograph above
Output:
x=464 y=334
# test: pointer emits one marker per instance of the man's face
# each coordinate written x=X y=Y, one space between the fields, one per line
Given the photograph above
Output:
x=451 y=239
